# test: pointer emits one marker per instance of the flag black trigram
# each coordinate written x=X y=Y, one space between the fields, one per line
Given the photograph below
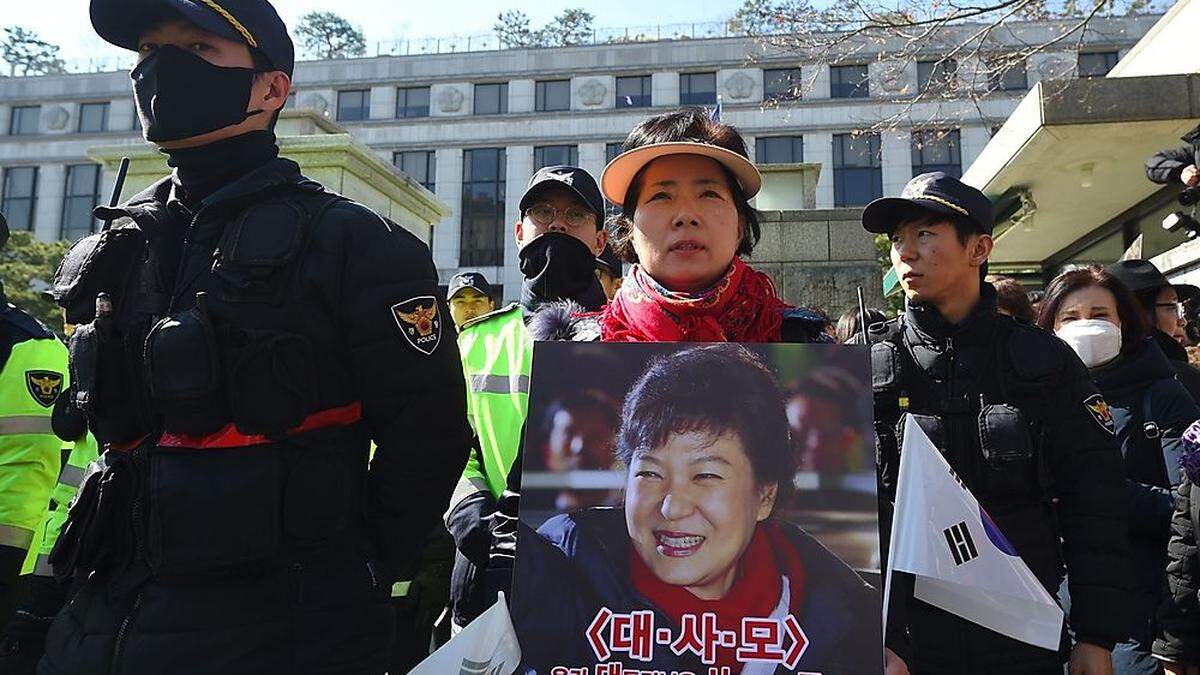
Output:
x=962 y=547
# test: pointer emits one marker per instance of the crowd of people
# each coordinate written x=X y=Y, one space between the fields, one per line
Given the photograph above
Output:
x=286 y=459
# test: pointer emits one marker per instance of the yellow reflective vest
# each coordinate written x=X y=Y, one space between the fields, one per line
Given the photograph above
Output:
x=497 y=356
x=31 y=380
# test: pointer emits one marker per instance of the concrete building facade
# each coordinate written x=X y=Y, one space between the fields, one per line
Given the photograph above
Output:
x=472 y=127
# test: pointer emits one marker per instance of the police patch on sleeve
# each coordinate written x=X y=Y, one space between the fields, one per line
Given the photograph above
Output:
x=420 y=322
x=1097 y=407
x=44 y=386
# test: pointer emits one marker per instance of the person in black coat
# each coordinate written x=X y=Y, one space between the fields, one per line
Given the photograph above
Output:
x=1177 y=165
x=1162 y=304
x=706 y=474
x=1178 y=643
x=1150 y=410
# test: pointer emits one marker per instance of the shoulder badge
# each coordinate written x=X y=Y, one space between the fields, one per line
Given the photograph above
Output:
x=420 y=322
x=44 y=386
x=1097 y=407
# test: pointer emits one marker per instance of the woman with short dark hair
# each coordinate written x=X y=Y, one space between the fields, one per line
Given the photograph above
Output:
x=1149 y=410
x=684 y=184
x=705 y=474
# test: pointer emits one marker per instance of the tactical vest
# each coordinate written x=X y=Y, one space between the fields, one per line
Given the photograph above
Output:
x=986 y=423
x=497 y=355
x=259 y=449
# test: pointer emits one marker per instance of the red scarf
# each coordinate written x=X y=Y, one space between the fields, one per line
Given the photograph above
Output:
x=755 y=592
x=742 y=307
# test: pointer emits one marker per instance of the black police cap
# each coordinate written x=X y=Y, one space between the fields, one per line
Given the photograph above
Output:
x=574 y=179
x=254 y=23
x=936 y=193
x=1142 y=275
x=465 y=280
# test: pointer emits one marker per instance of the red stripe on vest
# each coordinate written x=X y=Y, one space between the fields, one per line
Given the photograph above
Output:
x=229 y=437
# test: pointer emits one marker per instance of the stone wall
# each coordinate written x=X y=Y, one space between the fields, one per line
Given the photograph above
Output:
x=819 y=257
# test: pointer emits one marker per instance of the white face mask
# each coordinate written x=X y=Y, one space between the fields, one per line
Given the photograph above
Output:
x=1096 y=341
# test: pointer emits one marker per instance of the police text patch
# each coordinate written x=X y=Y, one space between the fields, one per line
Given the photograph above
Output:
x=1097 y=407
x=420 y=322
x=44 y=386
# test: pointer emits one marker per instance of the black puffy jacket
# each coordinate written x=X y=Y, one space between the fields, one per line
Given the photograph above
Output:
x=1050 y=475
x=1165 y=166
x=276 y=312
x=1179 y=618
x=1151 y=409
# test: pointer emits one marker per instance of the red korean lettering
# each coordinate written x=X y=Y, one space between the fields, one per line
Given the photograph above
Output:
x=761 y=640
x=698 y=637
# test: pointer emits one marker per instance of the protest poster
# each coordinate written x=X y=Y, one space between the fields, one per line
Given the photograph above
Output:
x=698 y=510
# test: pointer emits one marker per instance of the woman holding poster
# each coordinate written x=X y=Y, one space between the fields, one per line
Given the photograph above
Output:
x=684 y=182
x=695 y=573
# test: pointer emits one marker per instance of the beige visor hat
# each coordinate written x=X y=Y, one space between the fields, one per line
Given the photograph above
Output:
x=620 y=172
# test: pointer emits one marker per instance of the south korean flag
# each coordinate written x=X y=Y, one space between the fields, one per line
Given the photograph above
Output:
x=961 y=561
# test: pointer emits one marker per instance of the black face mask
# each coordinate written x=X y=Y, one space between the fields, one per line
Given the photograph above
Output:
x=180 y=95
x=557 y=266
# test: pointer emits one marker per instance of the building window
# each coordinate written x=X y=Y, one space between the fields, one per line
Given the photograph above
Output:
x=1096 y=64
x=93 y=117
x=778 y=149
x=633 y=91
x=698 y=89
x=81 y=196
x=483 y=226
x=782 y=84
x=611 y=150
x=420 y=164
x=491 y=99
x=849 y=82
x=857 y=172
x=551 y=95
x=25 y=120
x=1007 y=75
x=936 y=77
x=19 y=196
x=354 y=105
x=555 y=155
x=937 y=150
x=412 y=102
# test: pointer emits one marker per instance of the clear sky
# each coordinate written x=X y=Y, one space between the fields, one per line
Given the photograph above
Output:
x=65 y=22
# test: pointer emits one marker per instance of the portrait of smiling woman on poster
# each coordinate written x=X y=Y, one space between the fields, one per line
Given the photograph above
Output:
x=695 y=554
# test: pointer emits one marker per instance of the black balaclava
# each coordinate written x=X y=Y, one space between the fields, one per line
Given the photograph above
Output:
x=557 y=266
x=204 y=169
x=180 y=95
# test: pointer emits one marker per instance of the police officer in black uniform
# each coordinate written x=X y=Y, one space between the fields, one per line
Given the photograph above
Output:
x=243 y=336
x=1012 y=409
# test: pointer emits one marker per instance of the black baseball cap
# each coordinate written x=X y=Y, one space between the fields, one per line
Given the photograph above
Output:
x=464 y=280
x=934 y=192
x=609 y=262
x=1142 y=275
x=254 y=23
x=571 y=177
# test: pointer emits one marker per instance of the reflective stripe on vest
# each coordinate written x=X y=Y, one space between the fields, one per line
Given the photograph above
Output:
x=42 y=567
x=70 y=476
x=500 y=384
x=25 y=424
x=15 y=537
x=497 y=355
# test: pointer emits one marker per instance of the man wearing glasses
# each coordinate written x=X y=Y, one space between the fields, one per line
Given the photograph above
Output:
x=1163 y=302
x=559 y=236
